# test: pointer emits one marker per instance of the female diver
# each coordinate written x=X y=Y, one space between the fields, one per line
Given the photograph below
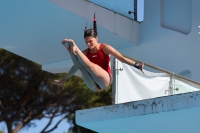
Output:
x=93 y=62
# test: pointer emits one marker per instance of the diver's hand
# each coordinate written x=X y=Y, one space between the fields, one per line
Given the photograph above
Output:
x=139 y=66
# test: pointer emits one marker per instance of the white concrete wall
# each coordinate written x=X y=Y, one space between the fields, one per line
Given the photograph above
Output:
x=111 y=21
x=174 y=45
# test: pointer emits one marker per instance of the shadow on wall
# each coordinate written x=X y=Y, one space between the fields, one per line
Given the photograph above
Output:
x=176 y=15
x=186 y=73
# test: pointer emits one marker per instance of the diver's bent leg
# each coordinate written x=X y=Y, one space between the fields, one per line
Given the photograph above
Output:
x=100 y=76
x=91 y=84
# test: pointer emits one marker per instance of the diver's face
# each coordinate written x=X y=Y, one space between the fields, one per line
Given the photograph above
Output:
x=91 y=41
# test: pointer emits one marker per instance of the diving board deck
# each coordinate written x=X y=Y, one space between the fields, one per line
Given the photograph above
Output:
x=170 y=114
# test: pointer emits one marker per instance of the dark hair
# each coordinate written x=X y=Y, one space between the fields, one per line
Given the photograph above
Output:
x=91 y=32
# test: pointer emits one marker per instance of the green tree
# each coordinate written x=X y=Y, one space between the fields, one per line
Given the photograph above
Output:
x=101 y=98
x=27 y=94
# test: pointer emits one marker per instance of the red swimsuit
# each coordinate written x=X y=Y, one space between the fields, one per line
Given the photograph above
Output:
x=100 y=58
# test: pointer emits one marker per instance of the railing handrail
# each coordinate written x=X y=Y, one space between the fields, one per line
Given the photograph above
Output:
x=165 y=71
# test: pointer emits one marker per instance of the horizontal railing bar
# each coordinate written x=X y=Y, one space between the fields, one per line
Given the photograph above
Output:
x=170 y=73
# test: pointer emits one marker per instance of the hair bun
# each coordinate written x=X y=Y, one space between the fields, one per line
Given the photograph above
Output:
x=91 y=31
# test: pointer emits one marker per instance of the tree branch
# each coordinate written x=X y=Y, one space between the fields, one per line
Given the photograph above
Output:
x=9 y=126
x=1 y=105
x=56 y=124
x=19 y=126
x=21 y=103
x=49 y=123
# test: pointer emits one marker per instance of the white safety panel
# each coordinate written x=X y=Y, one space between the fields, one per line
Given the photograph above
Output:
x=133 y=85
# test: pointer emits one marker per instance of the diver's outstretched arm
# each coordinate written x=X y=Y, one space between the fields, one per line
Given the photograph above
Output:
x=109 y=49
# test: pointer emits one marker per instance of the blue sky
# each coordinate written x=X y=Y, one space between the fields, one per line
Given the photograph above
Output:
x=62 y=127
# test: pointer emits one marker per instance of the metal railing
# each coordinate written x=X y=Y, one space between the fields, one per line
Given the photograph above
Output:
x=165 y=71
x=171 y=75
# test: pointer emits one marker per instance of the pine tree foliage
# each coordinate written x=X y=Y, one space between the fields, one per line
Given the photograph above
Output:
x=27 y=94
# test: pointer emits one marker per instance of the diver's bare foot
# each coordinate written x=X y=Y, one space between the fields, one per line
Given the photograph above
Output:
x=59 y=82
x=71 y=44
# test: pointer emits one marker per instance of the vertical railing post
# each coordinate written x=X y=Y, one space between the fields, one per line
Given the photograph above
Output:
x=171 y=85
x=114 y=82
x=135 y=10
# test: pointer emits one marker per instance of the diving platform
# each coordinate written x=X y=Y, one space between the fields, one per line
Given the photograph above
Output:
x=154 y=102
x=169 y=114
